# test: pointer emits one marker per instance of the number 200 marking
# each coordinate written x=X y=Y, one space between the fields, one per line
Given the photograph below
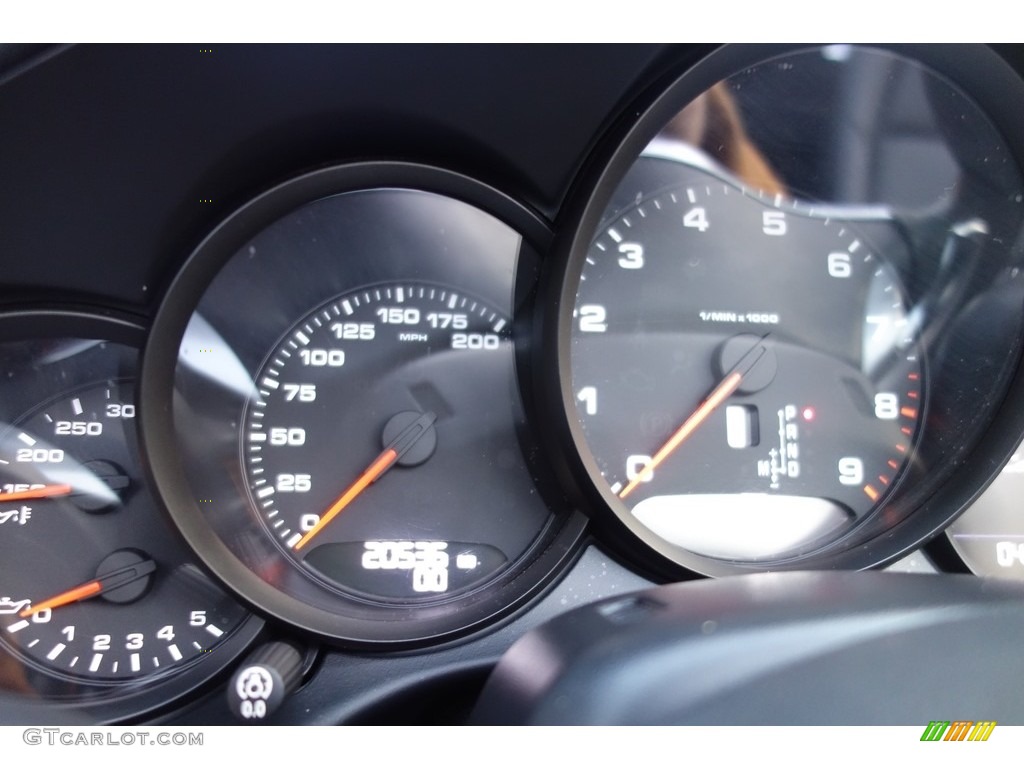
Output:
x=475 y=341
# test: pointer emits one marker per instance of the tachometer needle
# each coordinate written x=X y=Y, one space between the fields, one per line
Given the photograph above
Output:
x=729 y=384
x=387 y=458
x=37 y=493
x=105 y=583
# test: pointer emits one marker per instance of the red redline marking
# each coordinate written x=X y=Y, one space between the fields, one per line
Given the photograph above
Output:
x=906 y=430
x=912 y=395
x=901 y=448
x=913 y=376
x=893 y=464
x=871 y=492
x=910 y=413
x=883 y=479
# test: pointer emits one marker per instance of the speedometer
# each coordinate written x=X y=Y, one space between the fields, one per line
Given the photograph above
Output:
x=365 y=414
x=356 y=458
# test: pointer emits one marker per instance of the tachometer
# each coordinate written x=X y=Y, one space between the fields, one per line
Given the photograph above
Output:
x=744 y=373
x=773 y=355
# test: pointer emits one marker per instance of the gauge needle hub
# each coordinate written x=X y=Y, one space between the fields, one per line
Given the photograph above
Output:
x=721 y=392
x=392 y=452
x=105 y=583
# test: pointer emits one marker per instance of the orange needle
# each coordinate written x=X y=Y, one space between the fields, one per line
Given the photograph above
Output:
x=379 y=466
x=718 y=395
x=64 y=598
x=393 y=452
x=37 y=493
x=105 y=583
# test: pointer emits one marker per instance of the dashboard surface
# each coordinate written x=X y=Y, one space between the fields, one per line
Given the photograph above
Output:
x=363 y=263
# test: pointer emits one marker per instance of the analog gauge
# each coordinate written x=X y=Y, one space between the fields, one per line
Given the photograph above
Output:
x=773 y=355
x=743 y=403
x=94 y=587
x=367 y=412
x=85 y=593
x=989 y=536
x=355 y=458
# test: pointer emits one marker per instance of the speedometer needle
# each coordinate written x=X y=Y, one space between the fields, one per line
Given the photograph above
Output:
x=394 y=450
x=105 y=583
x=37 y=493
x=729 y=384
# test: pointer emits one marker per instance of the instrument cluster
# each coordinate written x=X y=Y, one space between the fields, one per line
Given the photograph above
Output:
x=392 y=410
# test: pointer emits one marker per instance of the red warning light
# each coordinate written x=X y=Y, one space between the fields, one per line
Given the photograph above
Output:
x=808 y=414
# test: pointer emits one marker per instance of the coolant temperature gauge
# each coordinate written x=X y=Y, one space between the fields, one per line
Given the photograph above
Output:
x=92 y=582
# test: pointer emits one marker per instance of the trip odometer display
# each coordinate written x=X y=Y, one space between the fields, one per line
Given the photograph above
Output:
x=365 y=412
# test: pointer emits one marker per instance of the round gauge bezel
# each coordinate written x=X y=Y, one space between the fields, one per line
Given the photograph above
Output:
x=81 y=701
x=392 y=626
x=981 y=74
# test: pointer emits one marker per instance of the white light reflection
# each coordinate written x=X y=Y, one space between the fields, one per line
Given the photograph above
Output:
x=747 y=526
x=204 y=352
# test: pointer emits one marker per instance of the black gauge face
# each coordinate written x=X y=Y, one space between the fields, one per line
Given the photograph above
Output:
x=368 y=414
x=744 y=373
x=93 y=585
x=356 y=458
x=773 y=350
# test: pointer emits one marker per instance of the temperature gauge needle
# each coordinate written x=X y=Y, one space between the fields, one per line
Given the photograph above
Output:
x=99 y=585
x=387 y=458
x=729 y=384
x=37 y=493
